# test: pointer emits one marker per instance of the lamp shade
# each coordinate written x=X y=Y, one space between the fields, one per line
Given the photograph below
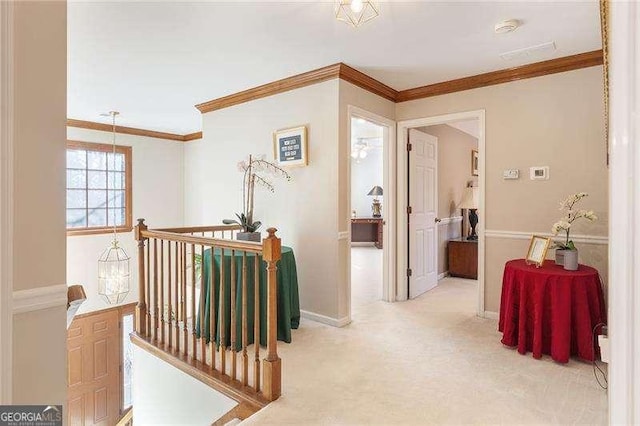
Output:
x=375 y=191
x=469 y=198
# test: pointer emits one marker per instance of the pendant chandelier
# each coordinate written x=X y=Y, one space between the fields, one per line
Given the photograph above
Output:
x=356 y=12
x=113 y=265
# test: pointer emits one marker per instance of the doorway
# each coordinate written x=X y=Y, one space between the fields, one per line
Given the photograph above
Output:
x=372 y=208
x=434 y=233
x=367 y=211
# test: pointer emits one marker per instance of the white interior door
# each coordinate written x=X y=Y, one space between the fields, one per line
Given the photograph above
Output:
x=423 y=196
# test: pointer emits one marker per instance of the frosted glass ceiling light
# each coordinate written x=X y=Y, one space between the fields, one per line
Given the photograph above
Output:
x=113 y=264
x=356 y=12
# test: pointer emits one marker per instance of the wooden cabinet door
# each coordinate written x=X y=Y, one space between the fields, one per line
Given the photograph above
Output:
x=93 y=368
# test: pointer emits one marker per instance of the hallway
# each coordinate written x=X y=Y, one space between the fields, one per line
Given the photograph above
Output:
x=426 y=361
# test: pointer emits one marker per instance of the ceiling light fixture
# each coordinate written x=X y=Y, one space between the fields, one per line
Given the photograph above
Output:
x=113 y=264
x=356 y=12
x=506 y=26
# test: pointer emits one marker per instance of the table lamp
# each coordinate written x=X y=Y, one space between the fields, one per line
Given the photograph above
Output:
x=470 y=202
x=376 y=207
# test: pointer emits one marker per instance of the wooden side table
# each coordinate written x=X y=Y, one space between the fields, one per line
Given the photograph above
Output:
x=463 y=258
x=367 y=230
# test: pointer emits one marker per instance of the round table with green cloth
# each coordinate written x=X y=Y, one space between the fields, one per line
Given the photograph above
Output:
x=287 y=295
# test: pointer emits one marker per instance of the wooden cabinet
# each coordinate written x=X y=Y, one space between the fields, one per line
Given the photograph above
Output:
x=463 y=258
x=367 y=230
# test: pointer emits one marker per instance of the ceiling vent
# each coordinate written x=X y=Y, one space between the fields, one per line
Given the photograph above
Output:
x=530 y=51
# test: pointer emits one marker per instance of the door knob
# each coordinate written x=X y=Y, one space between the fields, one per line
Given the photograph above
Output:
x=437 y=220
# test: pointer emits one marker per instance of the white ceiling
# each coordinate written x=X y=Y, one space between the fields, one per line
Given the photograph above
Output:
x=153 y=61
x=470 y=127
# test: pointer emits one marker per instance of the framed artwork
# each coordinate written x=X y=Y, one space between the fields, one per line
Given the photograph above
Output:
x=537 y=250
x=290 y=146
x=474 y=162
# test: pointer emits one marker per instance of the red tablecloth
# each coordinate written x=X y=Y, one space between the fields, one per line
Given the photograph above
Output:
x=548 y=310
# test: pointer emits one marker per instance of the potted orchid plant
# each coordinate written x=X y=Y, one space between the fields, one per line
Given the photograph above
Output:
x=566 y=251
x=255 y=171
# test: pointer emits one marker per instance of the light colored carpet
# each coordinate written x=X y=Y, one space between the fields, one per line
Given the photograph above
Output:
x=366 y=277
x=425 y=361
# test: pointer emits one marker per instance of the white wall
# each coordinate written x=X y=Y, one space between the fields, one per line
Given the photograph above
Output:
x=164 y=395
x=304 y=210
x=157 y=175
x=365 y=174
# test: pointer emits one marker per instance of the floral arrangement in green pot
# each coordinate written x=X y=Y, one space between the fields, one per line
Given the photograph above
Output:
x=564 y=226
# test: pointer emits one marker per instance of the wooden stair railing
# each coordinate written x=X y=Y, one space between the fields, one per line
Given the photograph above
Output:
x=127 y=418
x=171 y=324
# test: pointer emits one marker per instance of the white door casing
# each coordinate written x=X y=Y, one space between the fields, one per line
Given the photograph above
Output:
x=423 y=196
x=389 y=184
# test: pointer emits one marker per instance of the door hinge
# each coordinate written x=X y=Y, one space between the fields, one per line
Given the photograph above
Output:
x=409 y=210
x=409 y=146
x=409 y=272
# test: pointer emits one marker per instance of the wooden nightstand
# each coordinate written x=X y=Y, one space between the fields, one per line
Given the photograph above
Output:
x=463 y=258
x=367 y=229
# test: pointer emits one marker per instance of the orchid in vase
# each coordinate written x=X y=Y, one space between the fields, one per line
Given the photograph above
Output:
x=572 y=214
x=255 y=171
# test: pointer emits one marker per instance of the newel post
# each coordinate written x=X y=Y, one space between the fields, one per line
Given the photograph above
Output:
x=141 y=309
x=272 y=364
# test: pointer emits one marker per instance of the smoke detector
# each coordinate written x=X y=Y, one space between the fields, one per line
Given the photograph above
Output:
x=506 y=26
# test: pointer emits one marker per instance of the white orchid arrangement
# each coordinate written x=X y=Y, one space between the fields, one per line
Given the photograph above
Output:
x=255 y=170
x=564 y=224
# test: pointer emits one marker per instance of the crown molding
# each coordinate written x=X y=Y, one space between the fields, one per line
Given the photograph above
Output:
x=553 y=66
x=129 y=130
x=286 y=84
x=365 y=82
x=362 y=80
x=345 y=72
x=192 y=136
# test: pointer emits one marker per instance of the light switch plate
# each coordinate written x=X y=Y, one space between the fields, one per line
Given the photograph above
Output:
x=539 y=173
x=511 y=174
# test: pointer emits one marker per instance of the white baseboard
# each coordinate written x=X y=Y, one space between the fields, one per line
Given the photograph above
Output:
x=443 y=275
x=490 y=315
x=334 y=322
x=35 y=299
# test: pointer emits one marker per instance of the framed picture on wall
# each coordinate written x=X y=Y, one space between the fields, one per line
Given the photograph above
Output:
x=474 y=162
x=290 y=146
x=537 y=250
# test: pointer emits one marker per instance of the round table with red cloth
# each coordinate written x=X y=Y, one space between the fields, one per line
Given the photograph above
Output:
x=548 y=310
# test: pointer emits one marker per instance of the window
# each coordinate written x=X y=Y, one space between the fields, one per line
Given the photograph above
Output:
x=98 y=188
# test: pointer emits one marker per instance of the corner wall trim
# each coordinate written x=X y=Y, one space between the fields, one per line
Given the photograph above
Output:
x=362 y=80
x=491 y=315
x=517 y=235
x=284 y=85
x=91 y=125
x=35 y=299
x=538 y=69
x=325 y=319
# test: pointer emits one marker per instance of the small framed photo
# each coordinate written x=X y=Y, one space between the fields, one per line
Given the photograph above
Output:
x=290 y=146
x=474 y=162
x=537 y=250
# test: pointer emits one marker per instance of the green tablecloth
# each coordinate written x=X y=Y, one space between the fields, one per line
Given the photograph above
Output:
x=288 y=301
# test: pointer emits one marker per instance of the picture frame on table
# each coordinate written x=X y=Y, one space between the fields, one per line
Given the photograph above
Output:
x=537 y=252
x=290 y=147
x=474 y=162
